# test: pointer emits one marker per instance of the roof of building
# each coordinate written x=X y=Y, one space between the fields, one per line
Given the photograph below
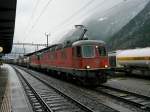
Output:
x=7 y=23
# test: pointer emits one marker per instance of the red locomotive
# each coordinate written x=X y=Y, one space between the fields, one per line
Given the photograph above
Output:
x=84 y=60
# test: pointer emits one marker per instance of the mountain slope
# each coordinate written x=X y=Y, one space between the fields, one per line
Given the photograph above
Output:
x=135 y=34
x=104 y=24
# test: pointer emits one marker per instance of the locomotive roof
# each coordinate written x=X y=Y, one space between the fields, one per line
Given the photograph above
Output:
x=77 y=43
x=29 y=54
x=86 y=42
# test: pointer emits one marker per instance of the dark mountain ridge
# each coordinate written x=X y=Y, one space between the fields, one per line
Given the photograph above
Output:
x=135 y=34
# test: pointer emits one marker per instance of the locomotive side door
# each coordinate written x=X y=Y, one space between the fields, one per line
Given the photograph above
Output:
x=77 y=57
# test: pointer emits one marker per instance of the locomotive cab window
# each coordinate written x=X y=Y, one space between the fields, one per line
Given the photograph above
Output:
x=77 y=51
x=102 y=51
x=38 y=57
x=88 y=51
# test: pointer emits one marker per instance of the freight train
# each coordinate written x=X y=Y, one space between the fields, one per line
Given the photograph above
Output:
x=83 y=60
x=131 y=60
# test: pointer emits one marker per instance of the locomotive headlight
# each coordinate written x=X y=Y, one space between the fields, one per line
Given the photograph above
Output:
x=106 y=66
x=88 y=67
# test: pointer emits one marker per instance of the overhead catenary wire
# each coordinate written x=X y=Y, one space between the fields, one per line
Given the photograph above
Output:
x=37 y=19
x=31 y=17
x=76 y=13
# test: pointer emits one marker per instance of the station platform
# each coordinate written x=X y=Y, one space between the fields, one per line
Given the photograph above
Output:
x=12 y=96
x=136 y=85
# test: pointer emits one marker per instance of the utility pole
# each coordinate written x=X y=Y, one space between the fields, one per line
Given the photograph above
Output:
x=47 y=34
x=23 y=49
x=37 y=47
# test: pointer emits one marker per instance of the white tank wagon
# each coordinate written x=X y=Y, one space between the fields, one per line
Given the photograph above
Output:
x=134 y=58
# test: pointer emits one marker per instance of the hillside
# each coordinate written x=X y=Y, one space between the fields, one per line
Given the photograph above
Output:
x=135 y=34
x=104 y=24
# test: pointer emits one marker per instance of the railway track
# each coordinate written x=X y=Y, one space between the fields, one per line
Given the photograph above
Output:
x=140 y=101
x=45 y=98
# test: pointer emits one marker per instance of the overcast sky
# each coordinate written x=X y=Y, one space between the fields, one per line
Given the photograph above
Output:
x=34 y=18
